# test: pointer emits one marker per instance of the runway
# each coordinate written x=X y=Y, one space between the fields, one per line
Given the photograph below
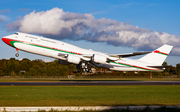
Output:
x=89 y=83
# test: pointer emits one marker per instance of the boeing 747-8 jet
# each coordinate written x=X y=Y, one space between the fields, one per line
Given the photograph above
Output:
x=84 y=59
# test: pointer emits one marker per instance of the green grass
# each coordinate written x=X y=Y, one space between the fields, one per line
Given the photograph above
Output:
x=89 y=95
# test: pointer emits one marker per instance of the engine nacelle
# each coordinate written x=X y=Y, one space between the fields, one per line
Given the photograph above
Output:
x=73 y=59
x=63 y=62
x=99 y=58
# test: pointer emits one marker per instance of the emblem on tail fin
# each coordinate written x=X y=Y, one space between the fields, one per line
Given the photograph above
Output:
x=157 y=51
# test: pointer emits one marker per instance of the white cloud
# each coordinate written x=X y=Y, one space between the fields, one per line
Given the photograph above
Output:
x=3 y=18
x=56 y=23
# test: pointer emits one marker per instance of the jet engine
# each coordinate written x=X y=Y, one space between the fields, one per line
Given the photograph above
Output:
x=99 y=58
x=73 y=59
x=63 y=62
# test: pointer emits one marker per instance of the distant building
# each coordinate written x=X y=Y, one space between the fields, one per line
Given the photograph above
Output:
x=22 y=71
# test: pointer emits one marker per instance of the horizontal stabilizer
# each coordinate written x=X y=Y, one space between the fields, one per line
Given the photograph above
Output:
x=170 y=66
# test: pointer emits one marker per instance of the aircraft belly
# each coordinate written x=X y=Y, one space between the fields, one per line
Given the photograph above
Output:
x=118 y=66
x=123 y=68
x=108 y=66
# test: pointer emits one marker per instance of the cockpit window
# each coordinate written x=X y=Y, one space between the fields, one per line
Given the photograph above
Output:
x=16 y=33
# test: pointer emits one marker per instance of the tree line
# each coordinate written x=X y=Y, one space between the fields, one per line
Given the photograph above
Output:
x=26 y=67
x=13 y=67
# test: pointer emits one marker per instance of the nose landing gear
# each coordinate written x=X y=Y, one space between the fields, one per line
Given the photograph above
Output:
x=17 y=54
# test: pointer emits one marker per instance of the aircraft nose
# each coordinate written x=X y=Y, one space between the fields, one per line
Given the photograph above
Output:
x=6 y=40
x=3 y=39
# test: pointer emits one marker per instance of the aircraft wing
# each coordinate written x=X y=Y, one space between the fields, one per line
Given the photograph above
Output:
x=87 y=55
x=128 y=54
x=117 y=56
x=114 y=57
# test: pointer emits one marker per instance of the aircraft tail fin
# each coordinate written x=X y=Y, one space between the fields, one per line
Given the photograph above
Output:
x=158 y=56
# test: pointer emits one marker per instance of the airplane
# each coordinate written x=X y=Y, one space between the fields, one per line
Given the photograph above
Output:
x=85 y=59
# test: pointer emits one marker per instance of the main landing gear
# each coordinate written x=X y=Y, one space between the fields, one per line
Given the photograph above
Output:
x=17 y=54
x=85 y=67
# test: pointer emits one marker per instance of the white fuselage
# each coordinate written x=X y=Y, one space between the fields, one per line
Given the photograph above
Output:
x=51 y=48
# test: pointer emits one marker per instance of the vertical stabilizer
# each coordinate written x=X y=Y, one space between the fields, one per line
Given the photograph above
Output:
x=158 y=56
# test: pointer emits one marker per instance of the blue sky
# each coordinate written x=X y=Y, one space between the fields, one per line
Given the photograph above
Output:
x=154 y=15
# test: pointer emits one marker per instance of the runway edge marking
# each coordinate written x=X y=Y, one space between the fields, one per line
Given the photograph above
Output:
x=80 y=108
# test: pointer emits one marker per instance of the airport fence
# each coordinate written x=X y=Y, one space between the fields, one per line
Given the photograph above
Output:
x=90 y=77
